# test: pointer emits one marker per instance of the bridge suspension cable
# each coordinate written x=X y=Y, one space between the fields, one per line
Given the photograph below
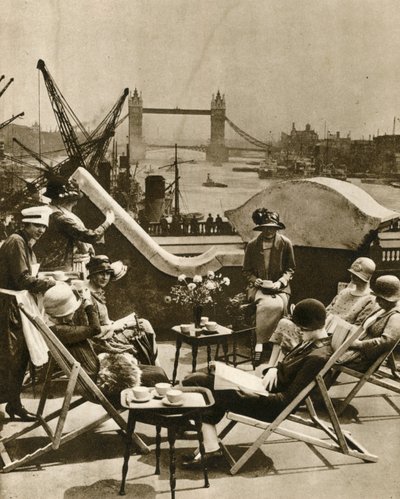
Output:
x=246 y=136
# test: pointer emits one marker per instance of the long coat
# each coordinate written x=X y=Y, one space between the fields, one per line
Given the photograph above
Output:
x=16 y=261
x=281 y=264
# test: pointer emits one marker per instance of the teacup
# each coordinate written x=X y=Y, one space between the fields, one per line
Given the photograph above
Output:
x=211 y=326
x=174 y=396
x=185 y=328
x=162 y=388
x=203 y=321
x=140 y=392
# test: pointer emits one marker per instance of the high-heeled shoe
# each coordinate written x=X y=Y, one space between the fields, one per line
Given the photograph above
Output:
x=19 y=412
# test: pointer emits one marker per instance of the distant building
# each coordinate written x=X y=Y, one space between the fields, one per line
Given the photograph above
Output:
x=301 y=142
x=386 y=148
x=362 y=156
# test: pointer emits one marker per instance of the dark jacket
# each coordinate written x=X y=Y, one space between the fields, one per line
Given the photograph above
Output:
x=295 y=372
x=16 y=260
x=281 y=265
x=65 y=238
x=76 y=337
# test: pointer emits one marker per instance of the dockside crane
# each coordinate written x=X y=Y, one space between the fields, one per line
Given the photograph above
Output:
x=6 y=86
x=60 y=107
x=88 y=154
x=106 y=130
x=10 y=120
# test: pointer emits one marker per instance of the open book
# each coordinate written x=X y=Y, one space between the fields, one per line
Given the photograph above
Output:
x=339 y=329
x=231 y=378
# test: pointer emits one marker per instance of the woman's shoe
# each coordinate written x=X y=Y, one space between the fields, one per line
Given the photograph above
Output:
x=20 y=412
x=213 y=459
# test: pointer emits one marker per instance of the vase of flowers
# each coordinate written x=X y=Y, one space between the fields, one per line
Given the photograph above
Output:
x=197 y=292
x=197 y=314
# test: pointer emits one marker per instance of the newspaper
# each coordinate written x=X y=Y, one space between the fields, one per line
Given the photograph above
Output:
x=231 y=378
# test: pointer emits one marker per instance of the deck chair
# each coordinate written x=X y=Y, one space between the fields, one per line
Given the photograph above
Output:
x=339 y=440
x=375 y=374
x=77 y=377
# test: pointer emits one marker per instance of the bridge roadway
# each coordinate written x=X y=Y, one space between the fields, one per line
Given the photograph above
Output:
x=176 y=110
x=203 y=147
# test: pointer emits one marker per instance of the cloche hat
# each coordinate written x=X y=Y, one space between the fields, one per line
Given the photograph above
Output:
x=36 y=215
x=99 y=263
x=60 y=300
x=60 y=188
x=265 y=218
x=363 y=268
x=387 y=287
x=310 y=314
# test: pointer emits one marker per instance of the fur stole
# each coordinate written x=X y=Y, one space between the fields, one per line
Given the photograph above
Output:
x=117 y=372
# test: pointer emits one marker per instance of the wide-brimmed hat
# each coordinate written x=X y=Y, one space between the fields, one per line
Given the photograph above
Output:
x=309 y=314
x=363 y=268
x=265 y=218
x=388 y=288
x=99 y=263
x=36 y=215
x=60 y=301
x=60 y=188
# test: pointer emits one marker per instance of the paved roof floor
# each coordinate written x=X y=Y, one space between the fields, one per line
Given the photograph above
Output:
x=90 y=466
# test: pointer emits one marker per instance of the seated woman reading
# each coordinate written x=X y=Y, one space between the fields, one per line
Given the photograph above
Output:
x=283 y=383
x=111 y=372
x=129 y=334
x=353 y=304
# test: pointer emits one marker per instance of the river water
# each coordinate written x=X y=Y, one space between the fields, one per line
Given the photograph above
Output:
x=241 y=185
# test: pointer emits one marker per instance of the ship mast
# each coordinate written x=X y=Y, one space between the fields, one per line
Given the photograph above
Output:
x=176 y=208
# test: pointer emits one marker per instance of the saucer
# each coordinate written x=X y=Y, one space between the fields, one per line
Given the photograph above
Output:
x=165 y=401
x=156 y=395
x=146 y=399
x=207 y=331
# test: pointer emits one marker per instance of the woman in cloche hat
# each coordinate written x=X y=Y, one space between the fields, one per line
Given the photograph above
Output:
x=382 y=327
x=268 y=266
x=285 y=382
x=67 y=244
x=112 y=373
x=353 y=304
x=131 y=333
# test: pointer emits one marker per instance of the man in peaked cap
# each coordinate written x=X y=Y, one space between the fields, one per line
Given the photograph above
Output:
x=268 y=266
x=18 y=269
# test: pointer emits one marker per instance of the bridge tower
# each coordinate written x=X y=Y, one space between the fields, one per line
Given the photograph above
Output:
x=137 y=147
x=216 y=151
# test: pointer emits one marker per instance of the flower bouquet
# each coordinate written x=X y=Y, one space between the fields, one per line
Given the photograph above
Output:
x=198 y=292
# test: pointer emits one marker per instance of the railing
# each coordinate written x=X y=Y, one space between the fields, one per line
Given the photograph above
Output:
x=183 y=229
x=385 y=251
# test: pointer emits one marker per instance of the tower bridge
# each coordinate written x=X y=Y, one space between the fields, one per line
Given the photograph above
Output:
x=216 y=151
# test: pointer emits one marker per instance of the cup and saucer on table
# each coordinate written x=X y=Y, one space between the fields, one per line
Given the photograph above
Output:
x=139 y=394
x=210 y=327
x=173 y=398
x=160 y=390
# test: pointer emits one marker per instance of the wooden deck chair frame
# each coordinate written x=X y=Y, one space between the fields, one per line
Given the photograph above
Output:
x=374 y=375
x=340 y=441
x=76 y=375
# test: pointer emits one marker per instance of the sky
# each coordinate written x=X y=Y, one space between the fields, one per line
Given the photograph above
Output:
x=329 y=63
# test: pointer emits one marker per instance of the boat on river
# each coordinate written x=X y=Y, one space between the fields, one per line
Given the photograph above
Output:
x=210 y=183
